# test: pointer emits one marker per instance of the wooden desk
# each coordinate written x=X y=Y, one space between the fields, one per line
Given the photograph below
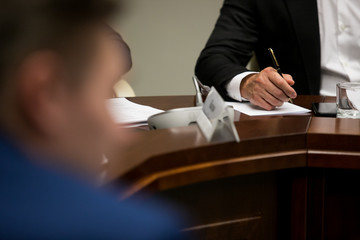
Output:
x=290 y=177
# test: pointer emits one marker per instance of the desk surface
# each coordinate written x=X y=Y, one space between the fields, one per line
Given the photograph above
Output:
x=169 y=158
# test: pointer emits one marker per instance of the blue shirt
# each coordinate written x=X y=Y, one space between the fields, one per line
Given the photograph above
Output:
x=37 y=203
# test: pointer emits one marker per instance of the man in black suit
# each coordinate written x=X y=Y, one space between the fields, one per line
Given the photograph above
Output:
x=304 y=35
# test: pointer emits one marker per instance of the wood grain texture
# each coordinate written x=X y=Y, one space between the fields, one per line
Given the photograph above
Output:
x=290 y=177
x=179 y=156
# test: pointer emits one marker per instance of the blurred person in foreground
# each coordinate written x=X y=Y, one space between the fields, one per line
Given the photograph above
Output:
x=57 y=67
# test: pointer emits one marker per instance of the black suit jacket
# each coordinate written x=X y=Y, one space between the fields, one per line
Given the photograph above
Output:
x=290 y=27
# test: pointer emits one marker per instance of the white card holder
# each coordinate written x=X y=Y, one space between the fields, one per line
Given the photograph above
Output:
x=215 y=119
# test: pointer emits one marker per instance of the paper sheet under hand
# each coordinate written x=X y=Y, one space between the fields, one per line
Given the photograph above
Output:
x=126 y=112
x=252 y=110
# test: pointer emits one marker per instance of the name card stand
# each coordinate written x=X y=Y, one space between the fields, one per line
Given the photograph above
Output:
x=215 y=119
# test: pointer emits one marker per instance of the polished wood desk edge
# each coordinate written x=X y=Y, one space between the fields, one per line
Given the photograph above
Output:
x=333 y=159
x=177 y=177
x=308 y=156
x=210 y=168
x=153 y=157
x=330 y=144
x=212 y=153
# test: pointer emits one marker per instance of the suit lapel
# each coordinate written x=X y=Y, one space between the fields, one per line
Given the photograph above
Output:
x=304 y=16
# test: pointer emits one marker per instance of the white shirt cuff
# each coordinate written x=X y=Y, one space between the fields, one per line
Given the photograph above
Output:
x=233 y=88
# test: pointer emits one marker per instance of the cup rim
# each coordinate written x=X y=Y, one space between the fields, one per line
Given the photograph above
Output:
x=354 y=85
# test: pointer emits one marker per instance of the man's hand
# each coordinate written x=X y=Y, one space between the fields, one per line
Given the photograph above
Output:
x=268 y=89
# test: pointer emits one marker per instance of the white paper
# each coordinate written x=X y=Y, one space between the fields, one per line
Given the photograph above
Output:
x=126 y=112
x=135 y=125
x=252 y=110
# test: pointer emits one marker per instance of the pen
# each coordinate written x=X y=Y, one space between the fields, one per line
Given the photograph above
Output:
x=277 y=66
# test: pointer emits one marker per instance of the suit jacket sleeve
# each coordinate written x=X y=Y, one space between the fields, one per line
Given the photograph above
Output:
x=230 y=45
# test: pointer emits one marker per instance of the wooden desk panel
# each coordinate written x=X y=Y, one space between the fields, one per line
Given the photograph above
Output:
x=334 y=143
x=277 y=136
x=282 y=166
x=175 y=157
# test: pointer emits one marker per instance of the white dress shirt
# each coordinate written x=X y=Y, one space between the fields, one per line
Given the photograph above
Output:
x=339 y=23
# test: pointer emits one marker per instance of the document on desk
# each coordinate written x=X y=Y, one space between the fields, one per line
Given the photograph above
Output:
x=124 y=111
x=252 y=110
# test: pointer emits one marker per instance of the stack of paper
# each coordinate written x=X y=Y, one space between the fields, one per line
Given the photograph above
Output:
x=125 y=112
x=252 y=110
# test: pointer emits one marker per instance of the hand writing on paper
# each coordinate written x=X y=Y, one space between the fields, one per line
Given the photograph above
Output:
x=268 y=89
